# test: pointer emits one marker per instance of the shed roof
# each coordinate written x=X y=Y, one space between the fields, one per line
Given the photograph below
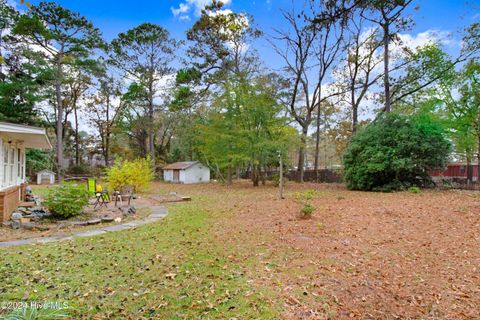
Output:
x=179 y=165
x=46 y=171
x=32 y=137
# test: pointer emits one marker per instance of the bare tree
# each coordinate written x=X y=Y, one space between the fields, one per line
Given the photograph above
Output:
x=103 y=110
x=360 y=71
x=309 y=49
x=296 y=48
x=330 y=26
x=389 y=17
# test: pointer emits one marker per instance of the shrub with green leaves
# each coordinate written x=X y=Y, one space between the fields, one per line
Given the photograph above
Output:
x=276 y=179
x=137 y=173
x=414 y=190
x=66 y=200
x=307 y=210
x=304 y=198
x=395 y=152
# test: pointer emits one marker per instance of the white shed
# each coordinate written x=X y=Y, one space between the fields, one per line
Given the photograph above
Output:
x=45 y=177
x=186 y=172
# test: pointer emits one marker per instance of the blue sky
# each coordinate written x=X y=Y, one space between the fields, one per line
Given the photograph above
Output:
x=114 y=16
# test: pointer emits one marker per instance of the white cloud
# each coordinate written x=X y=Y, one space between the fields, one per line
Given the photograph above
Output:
x=183 y=8
x=184 y=18
x=192 y=6
x=427 y=37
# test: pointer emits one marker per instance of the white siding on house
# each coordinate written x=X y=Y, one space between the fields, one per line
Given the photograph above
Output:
x=12 y=163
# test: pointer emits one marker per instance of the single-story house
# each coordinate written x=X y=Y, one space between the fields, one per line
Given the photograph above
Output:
x=14 y=140
x=455 y=171
x=186 y=172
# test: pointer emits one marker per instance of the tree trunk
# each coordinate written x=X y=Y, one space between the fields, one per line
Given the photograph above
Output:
x=229 y=176
x=107 y=133
x=469 y=170
x=255 y=177
x=301 y=153
x=354 y=118
x=280 y=181
x=77 y=138
x=59 y=120
x=263 y=175
x=151 y=130
x=386 y=67
x=317 y=143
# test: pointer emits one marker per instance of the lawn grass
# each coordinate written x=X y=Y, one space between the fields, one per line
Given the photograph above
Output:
x=168 y=270
x=241 y=253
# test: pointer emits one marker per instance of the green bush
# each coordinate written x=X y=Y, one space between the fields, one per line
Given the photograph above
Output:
x=304 y=198
x=307 y=210
x=66 y=200
x=414 y=190
x=276 y=179
x=79 y=169
x=38 y=160
x=137 y=173
x=395 y=152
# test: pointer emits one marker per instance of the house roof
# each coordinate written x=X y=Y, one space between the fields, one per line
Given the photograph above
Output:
x=179 y=165
x=31 y=137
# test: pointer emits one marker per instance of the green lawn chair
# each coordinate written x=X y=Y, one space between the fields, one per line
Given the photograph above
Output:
x=92 y=186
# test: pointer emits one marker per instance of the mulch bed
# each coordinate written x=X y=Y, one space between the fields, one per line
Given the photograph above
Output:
x=362 y=255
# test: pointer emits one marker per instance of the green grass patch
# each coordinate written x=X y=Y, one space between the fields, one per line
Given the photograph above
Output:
x=173 y=269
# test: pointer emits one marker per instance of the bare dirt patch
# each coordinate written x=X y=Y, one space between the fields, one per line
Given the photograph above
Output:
x=362 y=255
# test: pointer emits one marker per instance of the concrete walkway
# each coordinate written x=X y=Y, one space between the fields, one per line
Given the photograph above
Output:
x=158 y=212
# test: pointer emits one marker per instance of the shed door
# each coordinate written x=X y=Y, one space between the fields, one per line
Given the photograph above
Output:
x=176 y=175
x=45 y=178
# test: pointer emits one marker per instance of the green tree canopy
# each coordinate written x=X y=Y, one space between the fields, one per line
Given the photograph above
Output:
x=395 y=152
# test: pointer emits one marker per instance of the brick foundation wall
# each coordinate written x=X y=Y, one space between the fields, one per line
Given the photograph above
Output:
x=9 y=200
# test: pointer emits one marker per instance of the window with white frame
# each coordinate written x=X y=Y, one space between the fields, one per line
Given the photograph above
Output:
x=5 y=164
x=12 y=165
x=22 y=164
x=19 y=164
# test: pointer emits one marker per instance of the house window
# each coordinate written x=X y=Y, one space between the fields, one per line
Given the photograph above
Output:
x=12 y=164
x=5 y=164
x=462 y=169
x=19 y=164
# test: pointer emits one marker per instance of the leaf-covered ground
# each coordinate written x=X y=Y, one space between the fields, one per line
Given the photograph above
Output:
x=241 y=253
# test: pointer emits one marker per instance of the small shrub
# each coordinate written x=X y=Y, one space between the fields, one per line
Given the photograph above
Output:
x=414 y=190
x=137 y=173
x=306 y=195
x=307 y=210
x=66 y=200
x=276 y=180
x=304 y=198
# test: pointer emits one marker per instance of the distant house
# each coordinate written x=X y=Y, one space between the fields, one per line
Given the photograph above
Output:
x=14 y=140
x=455 y=171
x=186 y=172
